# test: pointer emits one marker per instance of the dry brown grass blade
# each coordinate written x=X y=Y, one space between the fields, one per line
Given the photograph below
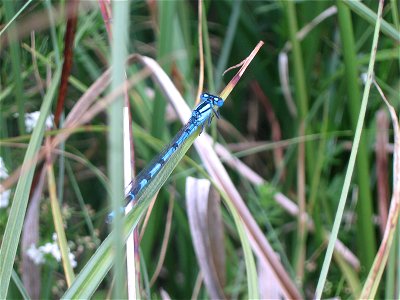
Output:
x=286 y=203
x=87 y=107
x=39 y=21
x=30 y=236
x=269 y=288
x=382 y=165
x=84 y=113
x=276 y=132
x=259 y=243
x=201 y=48
x=244 y=64
x=72 y=13
x=215 y=168
x=207 y=238
x=372 y=283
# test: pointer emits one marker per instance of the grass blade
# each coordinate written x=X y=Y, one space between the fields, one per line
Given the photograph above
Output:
x=59 y=226
x=20 y=201
x=115 y=137
x=365 y=227
x=366 y=13
x=352 y=161
x=97 y=268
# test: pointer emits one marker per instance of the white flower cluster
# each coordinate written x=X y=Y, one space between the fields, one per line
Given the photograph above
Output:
x=32 y=118
x=4 y=194
x=30 y=123
x=37 y=255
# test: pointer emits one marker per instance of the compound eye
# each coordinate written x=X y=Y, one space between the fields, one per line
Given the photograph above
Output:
x=204 y=97
x=218 y=101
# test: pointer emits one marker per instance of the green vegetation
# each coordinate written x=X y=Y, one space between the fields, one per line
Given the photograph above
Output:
x=313 y=146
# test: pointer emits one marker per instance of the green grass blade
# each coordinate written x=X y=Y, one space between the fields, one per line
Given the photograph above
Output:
x=302 y=99
x=15 y=52
x=365 y=228
x=251 y=270
x=228 y=41
x=18 y=283
x=15 y=16
x=96 y=269
x=59 y=227
x=83 y=208
x=53 y=32
x=115 y=137
x=368 y=15
x=92 y=274
x=20 y=201
x=167 y=13
x=350 y=168
x=207 y=52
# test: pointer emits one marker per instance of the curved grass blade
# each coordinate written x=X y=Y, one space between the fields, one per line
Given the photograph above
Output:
x=59 y=226
x=96 y=269
x=20 y=201
x=352 y=160
x=20 y=286
x=370 y=16
x=98 y=266
x=251 y=270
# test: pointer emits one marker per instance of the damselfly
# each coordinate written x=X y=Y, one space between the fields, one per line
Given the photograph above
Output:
x=201 y=115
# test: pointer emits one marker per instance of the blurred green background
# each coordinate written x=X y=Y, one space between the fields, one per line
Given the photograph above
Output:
x=293 y=128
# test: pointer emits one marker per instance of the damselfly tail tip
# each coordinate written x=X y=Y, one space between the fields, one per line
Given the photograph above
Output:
x=110 y=217
x=112 y=214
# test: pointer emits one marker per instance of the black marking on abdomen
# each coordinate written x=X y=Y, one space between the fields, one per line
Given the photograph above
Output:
x=161 y=161
x=135 y=191
x=148 y=178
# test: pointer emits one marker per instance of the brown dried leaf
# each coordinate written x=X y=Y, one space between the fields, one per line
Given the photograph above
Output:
x=207 y=234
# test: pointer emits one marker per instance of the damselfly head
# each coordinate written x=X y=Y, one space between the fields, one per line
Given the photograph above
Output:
x=214 y=99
